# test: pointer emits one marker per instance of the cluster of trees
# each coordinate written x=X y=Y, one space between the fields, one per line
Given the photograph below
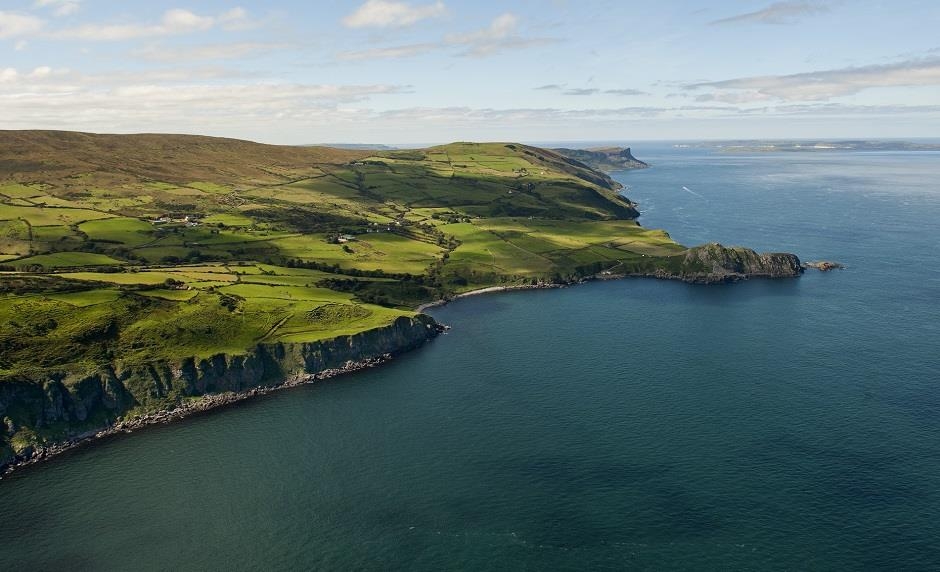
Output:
x=451 y=217
x=390 y=294
x=119 y=252
x=191 y=257
x=230 y=302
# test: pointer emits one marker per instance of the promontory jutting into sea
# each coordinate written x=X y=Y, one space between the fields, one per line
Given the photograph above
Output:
x=438 y=285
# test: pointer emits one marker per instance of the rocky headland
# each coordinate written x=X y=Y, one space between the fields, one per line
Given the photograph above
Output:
x=713 y=263
x=68 y=410
x=604 y=158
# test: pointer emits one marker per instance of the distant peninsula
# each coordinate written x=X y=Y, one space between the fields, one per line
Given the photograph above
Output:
x=604 y=158
x=818 y=146
x=147 y=277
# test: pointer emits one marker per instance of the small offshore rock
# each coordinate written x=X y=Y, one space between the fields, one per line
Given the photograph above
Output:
x=824 y=265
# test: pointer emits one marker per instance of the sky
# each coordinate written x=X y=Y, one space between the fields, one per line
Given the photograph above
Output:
x=433 y=71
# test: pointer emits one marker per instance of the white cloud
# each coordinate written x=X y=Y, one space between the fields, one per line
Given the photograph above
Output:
x=393 y=52
x=224 y=51
x=234 y=15
x=388 y=14
x=175 y=100
x=187 y=100
x=625 y=92
x=181 y=21
x=20 y=45
x=822 y=85
x=236 y=19
x=777 y=13
x=13 y=25
x=499 y=36
x=174 y=22
x=501 y=27
x=41 y=72
x=564 y=90
x=61 y=7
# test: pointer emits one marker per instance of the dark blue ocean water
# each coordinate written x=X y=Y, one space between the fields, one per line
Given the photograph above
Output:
x=770 y=425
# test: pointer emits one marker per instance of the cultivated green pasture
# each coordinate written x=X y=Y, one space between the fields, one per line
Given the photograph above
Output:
x=49 y=216
x=131 y=232
x=88 y=297
x=266 y=244
x=68 y=260
x=19 y=191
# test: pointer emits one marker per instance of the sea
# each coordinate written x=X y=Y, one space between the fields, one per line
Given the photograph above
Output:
x=620 y=425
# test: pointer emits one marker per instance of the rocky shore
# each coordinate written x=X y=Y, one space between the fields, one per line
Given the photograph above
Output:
x=197 y=405
x=711 y=263
x=714 y=263
x=114 y=401
x=824 y=265
x=224 y=380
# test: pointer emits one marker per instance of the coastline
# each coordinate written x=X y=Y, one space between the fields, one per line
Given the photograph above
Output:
x=202 y=404
x=700 y=278
x=213 y=401
x=488 y=290
x=216 y=401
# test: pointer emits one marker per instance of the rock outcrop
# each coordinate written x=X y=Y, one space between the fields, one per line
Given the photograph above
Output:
x=824 y=265
x=605 y=158
x=55 y=410
x=713 y=263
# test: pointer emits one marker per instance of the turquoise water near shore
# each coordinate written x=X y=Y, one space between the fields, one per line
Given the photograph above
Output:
x=634 y=424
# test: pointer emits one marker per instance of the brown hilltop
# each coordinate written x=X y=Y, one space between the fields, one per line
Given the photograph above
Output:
x=33 y=155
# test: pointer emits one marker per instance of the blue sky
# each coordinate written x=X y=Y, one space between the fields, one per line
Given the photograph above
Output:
x=425 y=71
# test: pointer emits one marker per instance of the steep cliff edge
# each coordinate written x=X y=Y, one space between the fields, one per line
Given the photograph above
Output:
x=604 y=158
x=36 y=414
x=708 y=264
x=713 y=263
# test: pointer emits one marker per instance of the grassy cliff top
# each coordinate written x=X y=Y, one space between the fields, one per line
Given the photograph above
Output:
x=131 y=248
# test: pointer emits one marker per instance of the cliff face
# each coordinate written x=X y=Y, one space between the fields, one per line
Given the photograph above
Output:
x=713 y=263
x=59 y=407
x=605 y=158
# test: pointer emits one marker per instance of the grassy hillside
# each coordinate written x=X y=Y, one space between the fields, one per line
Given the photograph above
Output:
x=133 y=248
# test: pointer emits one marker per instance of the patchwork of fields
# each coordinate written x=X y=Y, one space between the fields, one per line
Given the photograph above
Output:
x=136 y=248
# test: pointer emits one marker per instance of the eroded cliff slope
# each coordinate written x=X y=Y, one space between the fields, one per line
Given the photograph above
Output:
x=58 y=407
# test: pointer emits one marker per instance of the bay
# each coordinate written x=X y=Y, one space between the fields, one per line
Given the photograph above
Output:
x=628 y=424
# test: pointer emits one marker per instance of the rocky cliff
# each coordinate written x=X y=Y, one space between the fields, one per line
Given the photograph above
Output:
x=605 y=158
x=713 y=263
x=55 y=409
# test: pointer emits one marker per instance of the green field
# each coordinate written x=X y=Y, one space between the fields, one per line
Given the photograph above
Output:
x=66 y=260
x=137 y=252
x=19 y=191
x=153 y=248
x=131 y=232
